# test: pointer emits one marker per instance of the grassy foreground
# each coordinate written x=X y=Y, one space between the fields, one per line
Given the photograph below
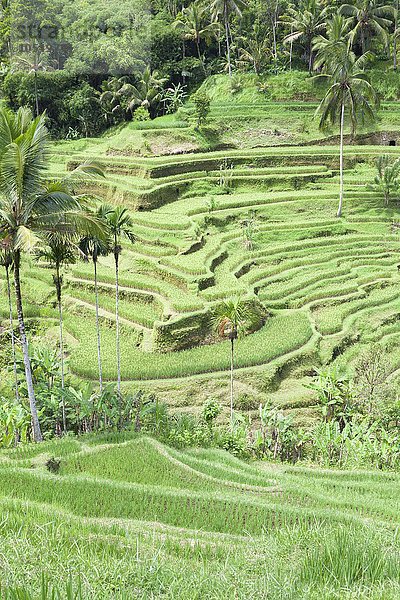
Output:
x=127 y=517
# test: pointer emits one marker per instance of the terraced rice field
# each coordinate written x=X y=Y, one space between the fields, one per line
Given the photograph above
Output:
x=329 y=285
x=133 y=518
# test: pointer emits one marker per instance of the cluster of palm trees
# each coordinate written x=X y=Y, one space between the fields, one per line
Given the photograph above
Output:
x=200 y=21
x=360 y=20
x=364 y=20
x=50 y=218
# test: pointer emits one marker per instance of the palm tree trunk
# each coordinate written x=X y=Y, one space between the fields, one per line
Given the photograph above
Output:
x=339 y=212
x=396 y=19
x=274 y=27
x=60 y=317
x=116 y=256
x=310 y=57
x=37 y=434
x=96 y=293
x=291 y=52
x=232 y=367
x=228 y=47
x=12 y=333
x=199 y=55
x=36 y=94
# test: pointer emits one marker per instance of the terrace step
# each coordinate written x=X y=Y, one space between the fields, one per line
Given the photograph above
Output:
x=147 y=340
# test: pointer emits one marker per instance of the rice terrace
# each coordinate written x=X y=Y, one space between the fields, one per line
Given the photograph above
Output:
x=199 y=300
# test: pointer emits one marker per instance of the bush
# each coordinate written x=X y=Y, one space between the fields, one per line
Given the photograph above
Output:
x=202 y=102
x=141 y=114
x=211 y=410
x=246 y=402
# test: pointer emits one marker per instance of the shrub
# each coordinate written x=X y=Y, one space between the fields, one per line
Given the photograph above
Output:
x=202 y=102
x=141 y=114
x=211 y=410
x=246 y=402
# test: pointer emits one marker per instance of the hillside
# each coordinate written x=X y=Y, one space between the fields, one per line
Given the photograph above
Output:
x=329 y=286
x=193 y=524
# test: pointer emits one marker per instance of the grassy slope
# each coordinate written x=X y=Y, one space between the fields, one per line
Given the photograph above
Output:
x=134 y=519
x=306 y=266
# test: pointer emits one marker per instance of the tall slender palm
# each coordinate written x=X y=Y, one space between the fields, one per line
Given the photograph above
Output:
x=120 y=226
x=223 y=10
x=371 y=18
x=192 y=23
x=232 y=319
x=60 y=251
x=39 y=61
x=305 y=21
x=6 y=261
x=350 y=92
x=93 y=246
x=30 y=207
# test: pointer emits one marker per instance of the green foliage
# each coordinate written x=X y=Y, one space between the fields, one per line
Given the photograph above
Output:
x=387 y=181
x=202 y=104
x=211 y=410
x=69 y=101
x=14 y=423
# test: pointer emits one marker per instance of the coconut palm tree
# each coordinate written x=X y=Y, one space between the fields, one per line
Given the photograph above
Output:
x=337 y=32
x=6 y=261
x=60 y=251
x=255 y=50
x=349 y=93
x=31 y=207
x=305 y=21
x=38 y=61
x=192 y=23
x=120 y=226
x=110 y=99
x=232 y=318
x=94 y=247
x=371 y=18
x=387 y=180
x=147 y=93
x=223 y=10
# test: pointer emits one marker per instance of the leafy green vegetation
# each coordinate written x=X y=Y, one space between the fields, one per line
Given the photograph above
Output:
x=199 y=317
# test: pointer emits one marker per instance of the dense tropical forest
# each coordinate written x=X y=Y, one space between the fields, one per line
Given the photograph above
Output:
x=199 y=299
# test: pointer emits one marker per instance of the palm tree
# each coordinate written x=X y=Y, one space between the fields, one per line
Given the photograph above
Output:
x=387 y=181
x=232 y=319
x=256 y=50
x=6 y=261
x=222 y=10
x=337 y=32
x=120 y=225
x=193 y=26
x=94 y=246
x=110 y=98
x=396 y=33
x=60 y=251
x=31 y=207
x=38 y=61
x=351 y=92
x=147 y=93
x=370 y=18
x=305 y=23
